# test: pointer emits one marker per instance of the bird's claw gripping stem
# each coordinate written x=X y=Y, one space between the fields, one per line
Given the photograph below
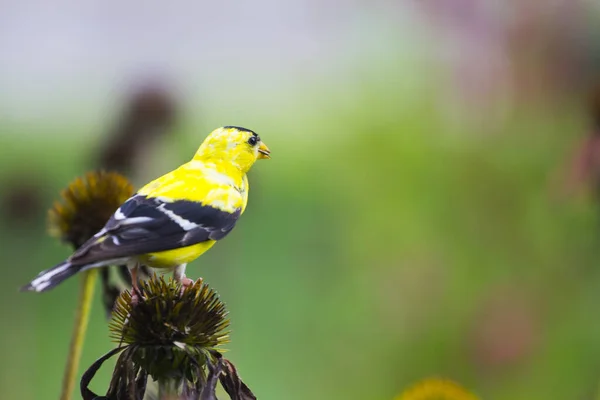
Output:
x=135 y=295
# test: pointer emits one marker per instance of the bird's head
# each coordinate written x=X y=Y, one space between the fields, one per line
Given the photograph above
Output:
x=238 y=146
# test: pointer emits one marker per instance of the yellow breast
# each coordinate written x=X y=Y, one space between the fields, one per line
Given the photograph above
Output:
x=172 y=258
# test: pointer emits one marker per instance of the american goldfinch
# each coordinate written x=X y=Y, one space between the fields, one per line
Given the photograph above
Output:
x=176 y=218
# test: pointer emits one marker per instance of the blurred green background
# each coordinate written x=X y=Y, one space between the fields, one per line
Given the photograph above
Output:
x=417 y=217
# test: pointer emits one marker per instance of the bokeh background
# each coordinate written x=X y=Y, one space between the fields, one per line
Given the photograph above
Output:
x=430 y=208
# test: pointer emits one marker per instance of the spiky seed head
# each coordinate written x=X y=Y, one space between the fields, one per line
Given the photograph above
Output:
x=86 y=204
x=172 y=335
x=172 y=330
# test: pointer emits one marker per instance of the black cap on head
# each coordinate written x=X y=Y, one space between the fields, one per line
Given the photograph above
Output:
x=239 y=128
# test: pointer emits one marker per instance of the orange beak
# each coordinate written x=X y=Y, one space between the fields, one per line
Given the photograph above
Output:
x=263 y=151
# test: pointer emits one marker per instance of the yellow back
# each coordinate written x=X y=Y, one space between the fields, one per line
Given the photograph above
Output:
x=219 y=185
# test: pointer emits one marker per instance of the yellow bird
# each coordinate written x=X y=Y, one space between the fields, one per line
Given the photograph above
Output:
x=176 y=218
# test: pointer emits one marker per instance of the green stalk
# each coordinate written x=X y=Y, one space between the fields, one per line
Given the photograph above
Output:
x=167 y=389
x=82 y=317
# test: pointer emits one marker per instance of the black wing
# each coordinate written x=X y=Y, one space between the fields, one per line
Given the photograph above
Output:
x=146 y=225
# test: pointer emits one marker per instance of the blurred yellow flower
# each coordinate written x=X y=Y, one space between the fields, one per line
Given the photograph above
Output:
x=436 y=389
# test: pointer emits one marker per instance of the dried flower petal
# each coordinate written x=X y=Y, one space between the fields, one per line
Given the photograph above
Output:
x=233 y=385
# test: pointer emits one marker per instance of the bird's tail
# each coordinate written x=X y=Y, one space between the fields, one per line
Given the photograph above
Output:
x=49 y=278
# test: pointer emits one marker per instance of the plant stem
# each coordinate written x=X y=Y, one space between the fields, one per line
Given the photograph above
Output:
x=167 y=389
x=82 y=316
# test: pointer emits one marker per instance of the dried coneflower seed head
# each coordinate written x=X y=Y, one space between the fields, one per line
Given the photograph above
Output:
x=173 y=330
x=86 y=204
x=171 y=334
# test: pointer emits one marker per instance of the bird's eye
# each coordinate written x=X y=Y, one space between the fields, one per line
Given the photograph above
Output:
x=253 y=140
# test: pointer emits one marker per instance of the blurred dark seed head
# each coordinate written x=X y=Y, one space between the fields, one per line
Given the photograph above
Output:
x=149 y=113
x=21 y=201
x=86 y=204
x=153 y=105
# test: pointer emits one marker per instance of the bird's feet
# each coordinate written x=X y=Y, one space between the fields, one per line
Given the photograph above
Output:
x=135 y=296
x=187 y=283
